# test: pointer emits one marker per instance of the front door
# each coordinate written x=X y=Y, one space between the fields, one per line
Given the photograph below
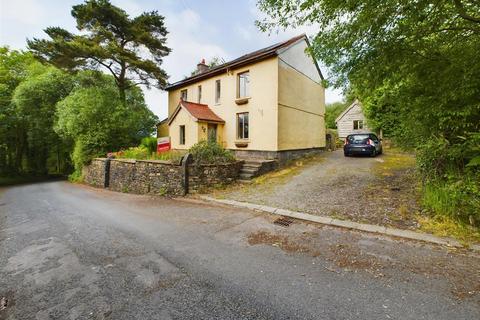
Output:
x=212 y=132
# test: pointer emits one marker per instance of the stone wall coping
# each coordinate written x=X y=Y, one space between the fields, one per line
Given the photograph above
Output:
x=173 y=163
x=216 y=165
x=160 y=162
x=133 y=161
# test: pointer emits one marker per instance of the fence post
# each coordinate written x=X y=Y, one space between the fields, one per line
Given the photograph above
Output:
x=106 y=171
x=185 y=161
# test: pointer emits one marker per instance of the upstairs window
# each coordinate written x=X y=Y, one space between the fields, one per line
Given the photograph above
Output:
x=217 y=91
x=199 y=98
x=244 y=85
x=357 y=124
x=184 y=94
x=242 y=125
x=182 y=135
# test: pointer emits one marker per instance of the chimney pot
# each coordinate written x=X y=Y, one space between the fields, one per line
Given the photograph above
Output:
x=202 y=66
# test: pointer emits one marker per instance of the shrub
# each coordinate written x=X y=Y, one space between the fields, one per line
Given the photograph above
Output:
x=150 y=143
x=138 y=153
x=208 y=152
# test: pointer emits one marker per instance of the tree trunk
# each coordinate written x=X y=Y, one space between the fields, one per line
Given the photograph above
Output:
x=123 y=96
x=122 y=84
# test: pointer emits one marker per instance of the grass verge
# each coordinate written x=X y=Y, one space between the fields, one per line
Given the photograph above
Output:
x=448 y=227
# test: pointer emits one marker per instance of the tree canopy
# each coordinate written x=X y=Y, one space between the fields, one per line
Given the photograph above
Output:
x=332 y=111
x=94 y=117
x=131 y=49
x=51 y=119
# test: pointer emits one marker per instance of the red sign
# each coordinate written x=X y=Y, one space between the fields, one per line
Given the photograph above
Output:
x=163 y=144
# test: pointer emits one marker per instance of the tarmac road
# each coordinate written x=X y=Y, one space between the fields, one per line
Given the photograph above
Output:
x=73 y=252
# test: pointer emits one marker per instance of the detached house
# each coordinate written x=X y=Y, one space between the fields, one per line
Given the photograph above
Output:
x=266 y=104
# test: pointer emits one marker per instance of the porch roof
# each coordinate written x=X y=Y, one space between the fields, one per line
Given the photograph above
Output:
x=201 y=112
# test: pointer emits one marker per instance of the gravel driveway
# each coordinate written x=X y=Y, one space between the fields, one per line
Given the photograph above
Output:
x=378 y=190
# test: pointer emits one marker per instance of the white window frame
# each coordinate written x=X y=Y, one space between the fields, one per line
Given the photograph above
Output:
x=243 y=134
x=218 y=91
x=243 y=87
x=182 y=138
x=360 y=124
x=184 y=94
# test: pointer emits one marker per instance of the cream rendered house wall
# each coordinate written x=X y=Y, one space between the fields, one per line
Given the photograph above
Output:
x=191 y=130
x=262 y=106
x=301 y=101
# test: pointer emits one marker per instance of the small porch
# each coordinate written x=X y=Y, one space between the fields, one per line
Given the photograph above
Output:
x=194 y=122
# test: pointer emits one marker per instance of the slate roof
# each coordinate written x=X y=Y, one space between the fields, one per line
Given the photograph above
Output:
x=249 y=58
x=201 y=112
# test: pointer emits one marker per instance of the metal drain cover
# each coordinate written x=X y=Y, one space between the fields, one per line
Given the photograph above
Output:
x=283 y=221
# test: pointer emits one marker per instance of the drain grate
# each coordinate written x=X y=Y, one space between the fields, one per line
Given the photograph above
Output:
x=283 y=221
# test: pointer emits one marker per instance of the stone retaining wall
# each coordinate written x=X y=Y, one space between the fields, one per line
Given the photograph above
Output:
x=158 y=177
x=201 y=176
x=94 y=173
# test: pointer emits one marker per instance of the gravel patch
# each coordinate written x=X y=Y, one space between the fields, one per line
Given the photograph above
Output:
x=361 y=189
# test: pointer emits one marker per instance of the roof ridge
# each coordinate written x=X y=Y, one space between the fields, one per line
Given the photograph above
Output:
x=260 y=53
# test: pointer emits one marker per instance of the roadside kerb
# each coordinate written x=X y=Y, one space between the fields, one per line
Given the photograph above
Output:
x=406 y=234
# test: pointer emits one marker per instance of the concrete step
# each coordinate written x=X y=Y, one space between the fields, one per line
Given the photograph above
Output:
x=249 y=170
x=252 y=165
x=246 y=176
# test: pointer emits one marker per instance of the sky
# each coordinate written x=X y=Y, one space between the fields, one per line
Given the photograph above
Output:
x=197 y=30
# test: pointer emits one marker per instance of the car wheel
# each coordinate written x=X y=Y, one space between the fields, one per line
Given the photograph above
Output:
x=374 y=153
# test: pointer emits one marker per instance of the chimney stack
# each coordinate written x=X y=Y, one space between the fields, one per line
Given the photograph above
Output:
x=202 y=67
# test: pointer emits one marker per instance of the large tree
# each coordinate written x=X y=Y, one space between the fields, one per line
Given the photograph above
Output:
x=131 y=49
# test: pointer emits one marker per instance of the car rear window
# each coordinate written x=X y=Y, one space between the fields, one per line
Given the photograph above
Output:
x=358 y=138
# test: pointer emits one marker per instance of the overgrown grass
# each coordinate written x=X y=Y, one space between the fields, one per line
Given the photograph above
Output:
x=456 y=199
x=447 y=227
